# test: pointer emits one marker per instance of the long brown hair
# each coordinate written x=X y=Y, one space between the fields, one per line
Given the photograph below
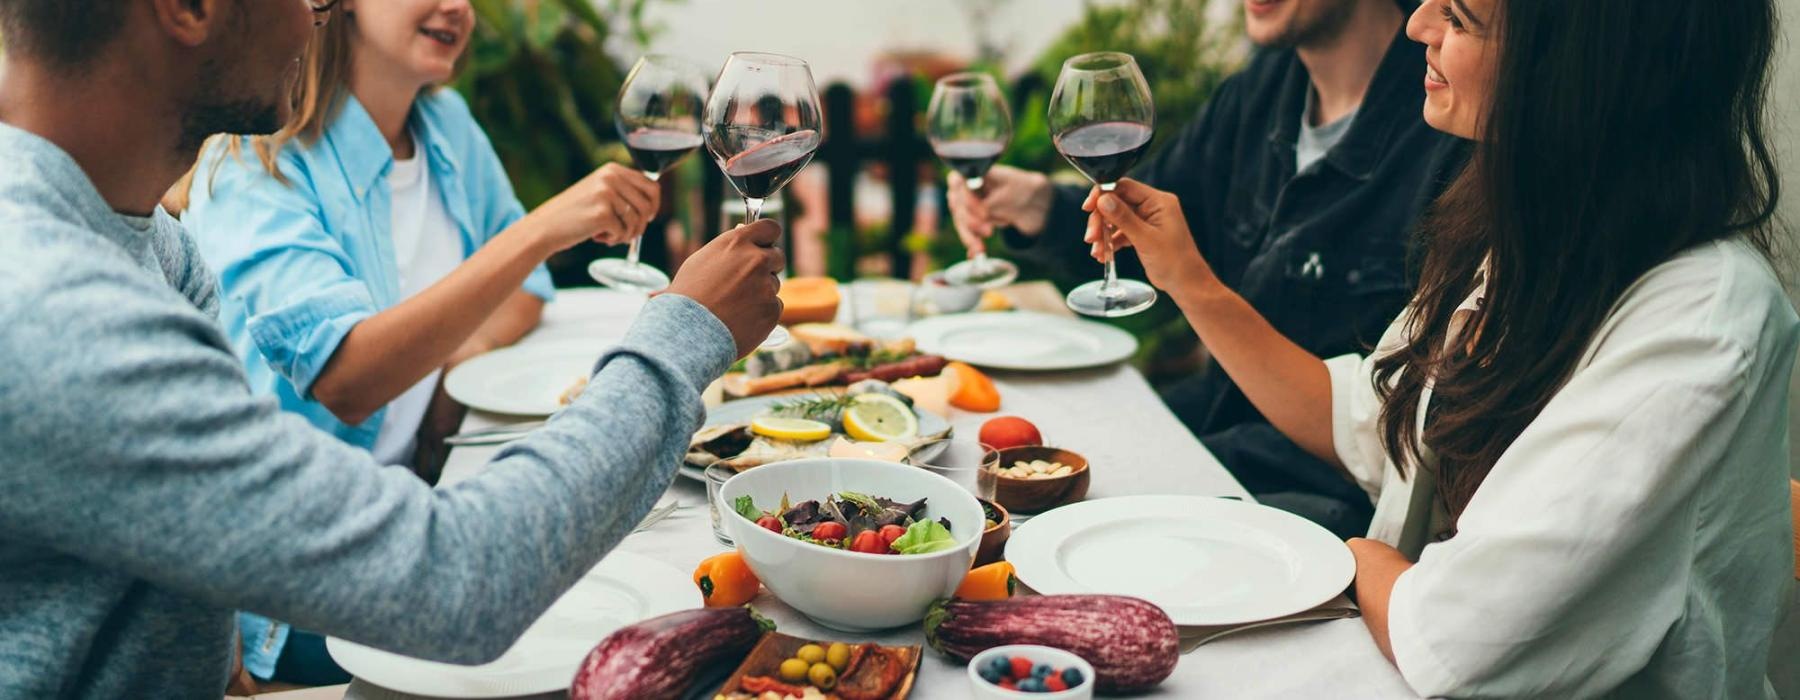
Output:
x=1620 y=133
x=315 y=98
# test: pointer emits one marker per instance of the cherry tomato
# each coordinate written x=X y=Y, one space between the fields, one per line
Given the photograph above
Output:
x=889 y=533
x=869 y=542
x=770 y=523
x=828 y=532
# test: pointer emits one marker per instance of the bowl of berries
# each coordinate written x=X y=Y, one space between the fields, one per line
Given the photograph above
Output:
x=1028 y=670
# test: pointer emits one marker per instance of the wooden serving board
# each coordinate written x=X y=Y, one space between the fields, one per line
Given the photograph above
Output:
x=775 y=647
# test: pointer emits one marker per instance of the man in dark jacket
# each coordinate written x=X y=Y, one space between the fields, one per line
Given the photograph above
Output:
x=1303 y=179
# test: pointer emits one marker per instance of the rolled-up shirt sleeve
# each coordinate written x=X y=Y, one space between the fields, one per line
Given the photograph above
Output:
x=1569 y=564
x=294 y=281
x=1354 y=410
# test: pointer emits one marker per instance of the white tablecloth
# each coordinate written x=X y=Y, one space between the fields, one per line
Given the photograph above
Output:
x=1136 y=446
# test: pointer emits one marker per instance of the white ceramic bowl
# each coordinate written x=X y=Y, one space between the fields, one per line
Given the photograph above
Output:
x=1038 y=655
x=844 y=590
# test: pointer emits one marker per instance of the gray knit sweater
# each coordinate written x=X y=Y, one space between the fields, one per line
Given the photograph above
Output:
x=131 y=450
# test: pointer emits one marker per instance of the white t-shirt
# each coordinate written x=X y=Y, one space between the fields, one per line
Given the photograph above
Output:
x=1634 y=541
x=426 y=248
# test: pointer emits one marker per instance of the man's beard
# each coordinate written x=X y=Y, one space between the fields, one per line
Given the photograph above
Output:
x=212 y=111
x=1315 y=30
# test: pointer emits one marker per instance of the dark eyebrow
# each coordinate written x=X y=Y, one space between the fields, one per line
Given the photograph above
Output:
x=1470 y=14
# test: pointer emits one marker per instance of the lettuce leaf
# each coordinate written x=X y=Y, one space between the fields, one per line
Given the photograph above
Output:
x=925 y=537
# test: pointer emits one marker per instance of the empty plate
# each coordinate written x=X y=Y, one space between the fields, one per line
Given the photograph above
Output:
x=1023 y=340
x=526 y=380
x=1204 y=561
x=623 y=589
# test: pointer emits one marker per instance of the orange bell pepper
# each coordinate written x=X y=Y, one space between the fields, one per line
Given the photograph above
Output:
x=726 y=581
x=973 y=390
x=992 y=582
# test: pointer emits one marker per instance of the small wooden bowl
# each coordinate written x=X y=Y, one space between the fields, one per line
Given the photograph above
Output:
x=1039 y=495
x=993 y=539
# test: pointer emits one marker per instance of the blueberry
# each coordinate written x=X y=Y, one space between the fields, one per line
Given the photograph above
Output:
x=1072 y=676
x=991 y=674
x=1032 y=685
x=1000 y=665
x=1041 y=670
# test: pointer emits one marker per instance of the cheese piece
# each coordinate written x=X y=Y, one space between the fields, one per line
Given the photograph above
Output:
x=808 y=300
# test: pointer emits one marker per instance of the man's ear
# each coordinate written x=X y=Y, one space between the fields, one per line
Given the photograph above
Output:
x=190 y=22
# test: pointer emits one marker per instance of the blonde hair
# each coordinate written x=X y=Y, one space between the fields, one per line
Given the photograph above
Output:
x=315 y=98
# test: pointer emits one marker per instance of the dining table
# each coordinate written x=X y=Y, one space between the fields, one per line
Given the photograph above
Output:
x=1135 y=446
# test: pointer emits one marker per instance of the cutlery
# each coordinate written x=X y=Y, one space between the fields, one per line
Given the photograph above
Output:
x=494 y=435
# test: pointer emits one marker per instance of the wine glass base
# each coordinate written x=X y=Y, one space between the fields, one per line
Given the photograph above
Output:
x=986 y=275
x=627 y=276
x=777 y=338
x=1126 y=297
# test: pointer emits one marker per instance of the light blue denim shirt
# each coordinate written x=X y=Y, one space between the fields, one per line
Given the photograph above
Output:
x=300 y=263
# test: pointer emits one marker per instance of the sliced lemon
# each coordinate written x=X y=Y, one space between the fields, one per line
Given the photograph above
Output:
x=791 y=429
x=880 y=418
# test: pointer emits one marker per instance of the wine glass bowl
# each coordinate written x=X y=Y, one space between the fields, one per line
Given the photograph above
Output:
x=1102 y=120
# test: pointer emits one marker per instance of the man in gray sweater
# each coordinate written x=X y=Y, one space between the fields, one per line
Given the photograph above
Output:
x=127 y=432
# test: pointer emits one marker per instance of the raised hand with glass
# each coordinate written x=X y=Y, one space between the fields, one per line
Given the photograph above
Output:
x=658 y=116
x=762 y=127
x=1102 y=119
x=969 y=126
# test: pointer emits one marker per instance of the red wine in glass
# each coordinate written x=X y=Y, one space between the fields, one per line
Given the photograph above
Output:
x=761 y=170
x=1105 y=151
x=658 y=150
x=970 y=158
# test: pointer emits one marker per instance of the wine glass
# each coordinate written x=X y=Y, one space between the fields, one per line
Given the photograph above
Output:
x=969 y=126
x=1101 y=118
x=658 y=117
x=763 y=126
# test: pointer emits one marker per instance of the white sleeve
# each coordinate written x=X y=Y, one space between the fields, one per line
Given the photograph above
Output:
x=1354 y=410
x=1570 y=564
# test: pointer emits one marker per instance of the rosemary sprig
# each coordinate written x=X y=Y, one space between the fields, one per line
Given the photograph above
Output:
x=815 y=407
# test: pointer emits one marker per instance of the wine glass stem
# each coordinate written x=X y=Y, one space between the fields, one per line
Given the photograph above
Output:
x=752 y=210
x=637 y=244
x=1108 y=286
x=980 y=266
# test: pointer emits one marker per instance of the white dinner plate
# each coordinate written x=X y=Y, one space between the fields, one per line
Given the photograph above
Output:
x=526 y=380
x=1204 y=561
x=742 y=410
x=624 y=589
x=1022 y=340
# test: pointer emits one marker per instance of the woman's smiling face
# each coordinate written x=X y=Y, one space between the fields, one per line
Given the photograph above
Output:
x=421 y=38
x=1461 y=57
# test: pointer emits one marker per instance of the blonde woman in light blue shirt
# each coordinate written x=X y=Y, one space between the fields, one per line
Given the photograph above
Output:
x=376 y=241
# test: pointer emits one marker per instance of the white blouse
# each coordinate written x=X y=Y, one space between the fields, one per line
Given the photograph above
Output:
x=1636 y=539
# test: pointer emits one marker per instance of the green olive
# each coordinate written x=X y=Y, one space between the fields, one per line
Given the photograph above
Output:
x=823 y=676
x=838 y=655
x=794 y=670
x=811 y=654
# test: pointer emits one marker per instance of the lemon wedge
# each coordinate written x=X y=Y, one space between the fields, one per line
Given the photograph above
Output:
x=791 y=429
x=880 y=418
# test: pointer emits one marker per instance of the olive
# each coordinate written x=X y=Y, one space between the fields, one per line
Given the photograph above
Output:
x=838 y=655
x=794 y=670
x=811 y=654
x=822 y=676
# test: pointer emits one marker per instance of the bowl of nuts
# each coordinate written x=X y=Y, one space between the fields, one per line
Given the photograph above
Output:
x=1037 y=478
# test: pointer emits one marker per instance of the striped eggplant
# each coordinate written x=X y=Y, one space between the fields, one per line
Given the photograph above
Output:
x=663 y=656
x=1132 y=644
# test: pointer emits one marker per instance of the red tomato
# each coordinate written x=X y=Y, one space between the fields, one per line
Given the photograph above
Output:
x=828 y=532
x=889 y=533
x=868 y=542
x=1010 y=431
x=770 y=523
x=1054 y=683
x=1021 y=667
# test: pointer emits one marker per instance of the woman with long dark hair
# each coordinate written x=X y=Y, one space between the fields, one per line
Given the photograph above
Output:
x=1576 y=433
